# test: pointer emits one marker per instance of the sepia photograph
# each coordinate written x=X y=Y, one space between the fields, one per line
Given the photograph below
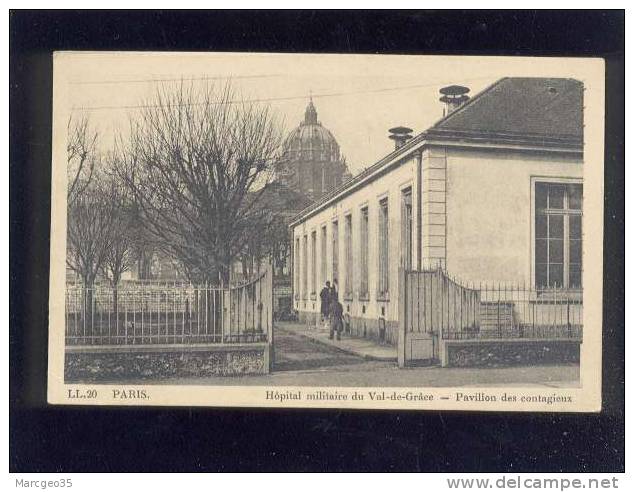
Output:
x=354 y=231
x=328 y=240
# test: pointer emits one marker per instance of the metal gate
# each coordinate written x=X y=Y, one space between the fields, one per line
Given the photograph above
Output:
x=435 y=309
x=430 y=304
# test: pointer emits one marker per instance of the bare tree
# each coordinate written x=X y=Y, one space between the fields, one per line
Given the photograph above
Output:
x=268 y=235
x=123 y=239
x=194 y=156
x=101 y=220
x=89 y=237
x=255 y=241
x=279 y=244
x=81 y=152
x=90 y=231
x=145 y=249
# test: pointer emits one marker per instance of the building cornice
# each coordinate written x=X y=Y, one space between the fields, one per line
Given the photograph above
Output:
x=536 y=141
x=445 y=138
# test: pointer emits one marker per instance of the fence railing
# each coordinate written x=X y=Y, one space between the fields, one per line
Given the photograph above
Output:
x=169 y=314
x=454 y=310
x=236 y=281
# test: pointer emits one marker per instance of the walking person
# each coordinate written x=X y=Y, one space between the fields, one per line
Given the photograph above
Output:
x=334 y=291
x=325 y=297
x=334 y=299
x=336 y=322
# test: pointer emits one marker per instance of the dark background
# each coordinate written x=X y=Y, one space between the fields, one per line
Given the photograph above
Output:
x=72 y=439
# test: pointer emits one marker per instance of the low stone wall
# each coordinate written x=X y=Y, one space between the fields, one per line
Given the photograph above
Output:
x=495 y=353
x=94 y=364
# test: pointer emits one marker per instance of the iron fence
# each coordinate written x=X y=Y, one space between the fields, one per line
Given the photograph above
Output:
x=157 y=313
x=437 y=303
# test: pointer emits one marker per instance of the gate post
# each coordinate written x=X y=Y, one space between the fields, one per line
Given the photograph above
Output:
x=271 y=337
x=402 y=316
x=441 y=349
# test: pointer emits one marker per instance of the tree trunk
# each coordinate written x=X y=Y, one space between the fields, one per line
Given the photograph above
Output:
x=144 y=265
x=87 y=307
x=115 y=301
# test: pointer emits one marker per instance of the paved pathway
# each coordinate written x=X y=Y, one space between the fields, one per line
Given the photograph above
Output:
x=297 y=352
x=361 y=347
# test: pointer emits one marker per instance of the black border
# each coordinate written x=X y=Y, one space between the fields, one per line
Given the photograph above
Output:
x=70 y=439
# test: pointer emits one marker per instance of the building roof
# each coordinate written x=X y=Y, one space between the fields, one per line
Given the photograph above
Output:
x=550 y=108
x=280 y=198
x=537 y=112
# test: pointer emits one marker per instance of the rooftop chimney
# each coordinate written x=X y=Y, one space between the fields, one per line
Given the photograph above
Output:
x=453 y=96
x=400 y=135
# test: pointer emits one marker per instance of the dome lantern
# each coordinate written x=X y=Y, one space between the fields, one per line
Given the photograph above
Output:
x=310 y=116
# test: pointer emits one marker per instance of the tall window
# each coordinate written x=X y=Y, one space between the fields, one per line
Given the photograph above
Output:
x=297 y=267
x=384 y=275
x=348 y=265
x=305 y=268
x=406 y=228
x=363 y=256
x=313 y=262
x=324 y=255
x=558 y=212
x=335 y=250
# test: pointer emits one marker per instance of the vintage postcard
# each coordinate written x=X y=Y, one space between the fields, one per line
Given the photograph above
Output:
x=338 y=231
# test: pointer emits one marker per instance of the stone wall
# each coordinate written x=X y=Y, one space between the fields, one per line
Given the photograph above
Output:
x=493 y=353
x=87 y=366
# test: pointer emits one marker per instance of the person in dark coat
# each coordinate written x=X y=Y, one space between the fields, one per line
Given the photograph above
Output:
x=334 y=291
x=325 y=296
x=336 y=322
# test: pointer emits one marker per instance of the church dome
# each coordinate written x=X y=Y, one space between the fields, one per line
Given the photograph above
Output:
x=311 y=162
x=310 y=141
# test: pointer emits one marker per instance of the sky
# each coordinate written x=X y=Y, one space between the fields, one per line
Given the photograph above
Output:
x=358 y=97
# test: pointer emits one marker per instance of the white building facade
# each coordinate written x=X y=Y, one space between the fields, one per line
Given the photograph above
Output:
x=492 y=194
